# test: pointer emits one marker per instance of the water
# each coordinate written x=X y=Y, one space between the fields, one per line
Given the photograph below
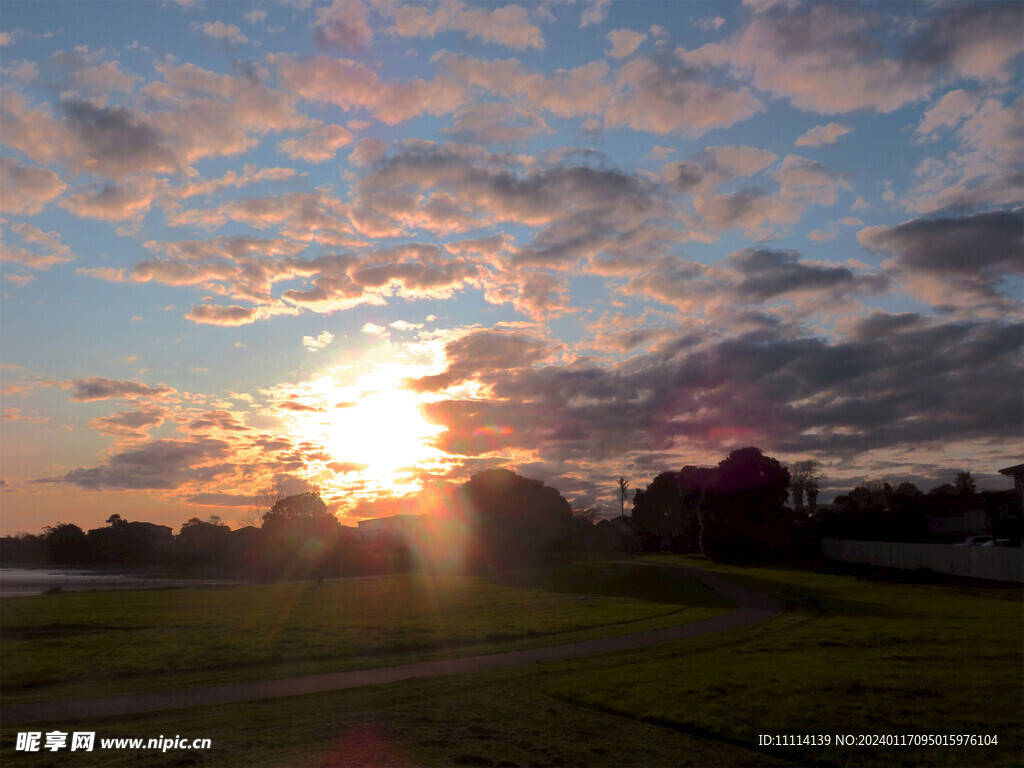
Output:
x=17 y=582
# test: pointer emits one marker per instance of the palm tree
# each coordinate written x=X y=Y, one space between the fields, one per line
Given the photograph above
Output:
x=623 y=485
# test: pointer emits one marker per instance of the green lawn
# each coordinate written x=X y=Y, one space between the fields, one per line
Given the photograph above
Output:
x=100 y=643
x=848 y=657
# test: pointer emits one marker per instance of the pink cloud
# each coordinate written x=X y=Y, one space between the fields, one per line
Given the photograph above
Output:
x=350 y=85
x=657 y=98
x=344 y=23
x=124 y=201
x=809 y=181
x=319 y=145
x=583 y=90
x=594 y=12
x=26 y=189
x=823 y=134
x=367 y=152
x=986 y=166
x=221 y=31
x=209 y=314
x=44 y=250
x=507 y=25
x=625 y=42
x=496 y=123
x=830 y=57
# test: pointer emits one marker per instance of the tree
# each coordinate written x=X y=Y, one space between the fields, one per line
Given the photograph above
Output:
x=623 y=485
x=656 y=512
x=907 y=490
x=516 y=519
x=300 y=536
x=201 y=542
x=66 y=544
x=965 y=484
x=747 y=520
x=804 y=479
x=695 y=486
x=301 y=506
x=130 y=542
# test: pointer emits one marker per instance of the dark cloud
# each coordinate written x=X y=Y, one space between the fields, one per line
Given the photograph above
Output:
x=954 y=261
x=483 y=352
x=118 y=141
x=99 y=388
x=766 y=274
x=977 y=39
x=217 y=421
x=161 y=464
x=568 y=205
x=982 y=243
x=898 y=382
x=800 y=51
x=221 y=500
x=660 y=96
x=131 y=423
x=879 y=325
x=496 y=123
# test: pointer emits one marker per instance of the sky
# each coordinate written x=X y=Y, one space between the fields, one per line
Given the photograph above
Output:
x=370 y=247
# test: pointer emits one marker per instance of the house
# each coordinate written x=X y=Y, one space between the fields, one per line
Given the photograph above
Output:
x=394 y=526
x=1017 y=473
x=610 y=535
x=992 y=513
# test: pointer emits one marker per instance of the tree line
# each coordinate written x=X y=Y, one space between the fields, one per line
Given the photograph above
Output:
x=735 y=511
x=498 y=518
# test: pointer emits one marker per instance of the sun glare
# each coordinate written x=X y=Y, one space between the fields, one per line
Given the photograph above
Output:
x=373 y=430
x=383 y=429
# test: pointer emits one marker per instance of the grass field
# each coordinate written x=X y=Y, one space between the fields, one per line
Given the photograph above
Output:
x=848 y=657
x=102 y=643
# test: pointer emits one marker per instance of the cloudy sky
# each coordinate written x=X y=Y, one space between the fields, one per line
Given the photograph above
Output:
x=370 y=245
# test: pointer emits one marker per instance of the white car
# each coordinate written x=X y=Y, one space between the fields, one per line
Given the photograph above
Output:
x=977 y=541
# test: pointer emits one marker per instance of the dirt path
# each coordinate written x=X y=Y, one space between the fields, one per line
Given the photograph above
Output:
x=751 y=608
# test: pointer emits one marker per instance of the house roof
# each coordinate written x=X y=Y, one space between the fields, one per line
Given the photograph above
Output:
x=1016 y=469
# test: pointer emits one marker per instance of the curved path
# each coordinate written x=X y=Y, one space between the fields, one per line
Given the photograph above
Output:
x=751 y=608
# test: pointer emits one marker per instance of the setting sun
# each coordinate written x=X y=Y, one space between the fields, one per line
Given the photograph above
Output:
x=373 y=430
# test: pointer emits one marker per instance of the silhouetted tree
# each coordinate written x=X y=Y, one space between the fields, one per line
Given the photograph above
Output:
x=24 y=549
x=299 y=536
x=748 y=520
x=517 y=519
x=130 y=543
x=581 y=525
x=965 y=484
x=804 y=479
x=66 y=544
x=656 y=512
x=623 y=485
x=300 y=506
x=202 y=542
x=695 y=486
x=907 y=490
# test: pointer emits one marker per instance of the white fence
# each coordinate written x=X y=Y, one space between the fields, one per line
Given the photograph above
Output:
x=994 y=563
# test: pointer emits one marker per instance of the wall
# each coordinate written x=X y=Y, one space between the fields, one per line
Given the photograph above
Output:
x=994 y=563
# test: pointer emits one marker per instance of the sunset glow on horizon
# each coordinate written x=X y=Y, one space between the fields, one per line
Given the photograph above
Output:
x=372 y=247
